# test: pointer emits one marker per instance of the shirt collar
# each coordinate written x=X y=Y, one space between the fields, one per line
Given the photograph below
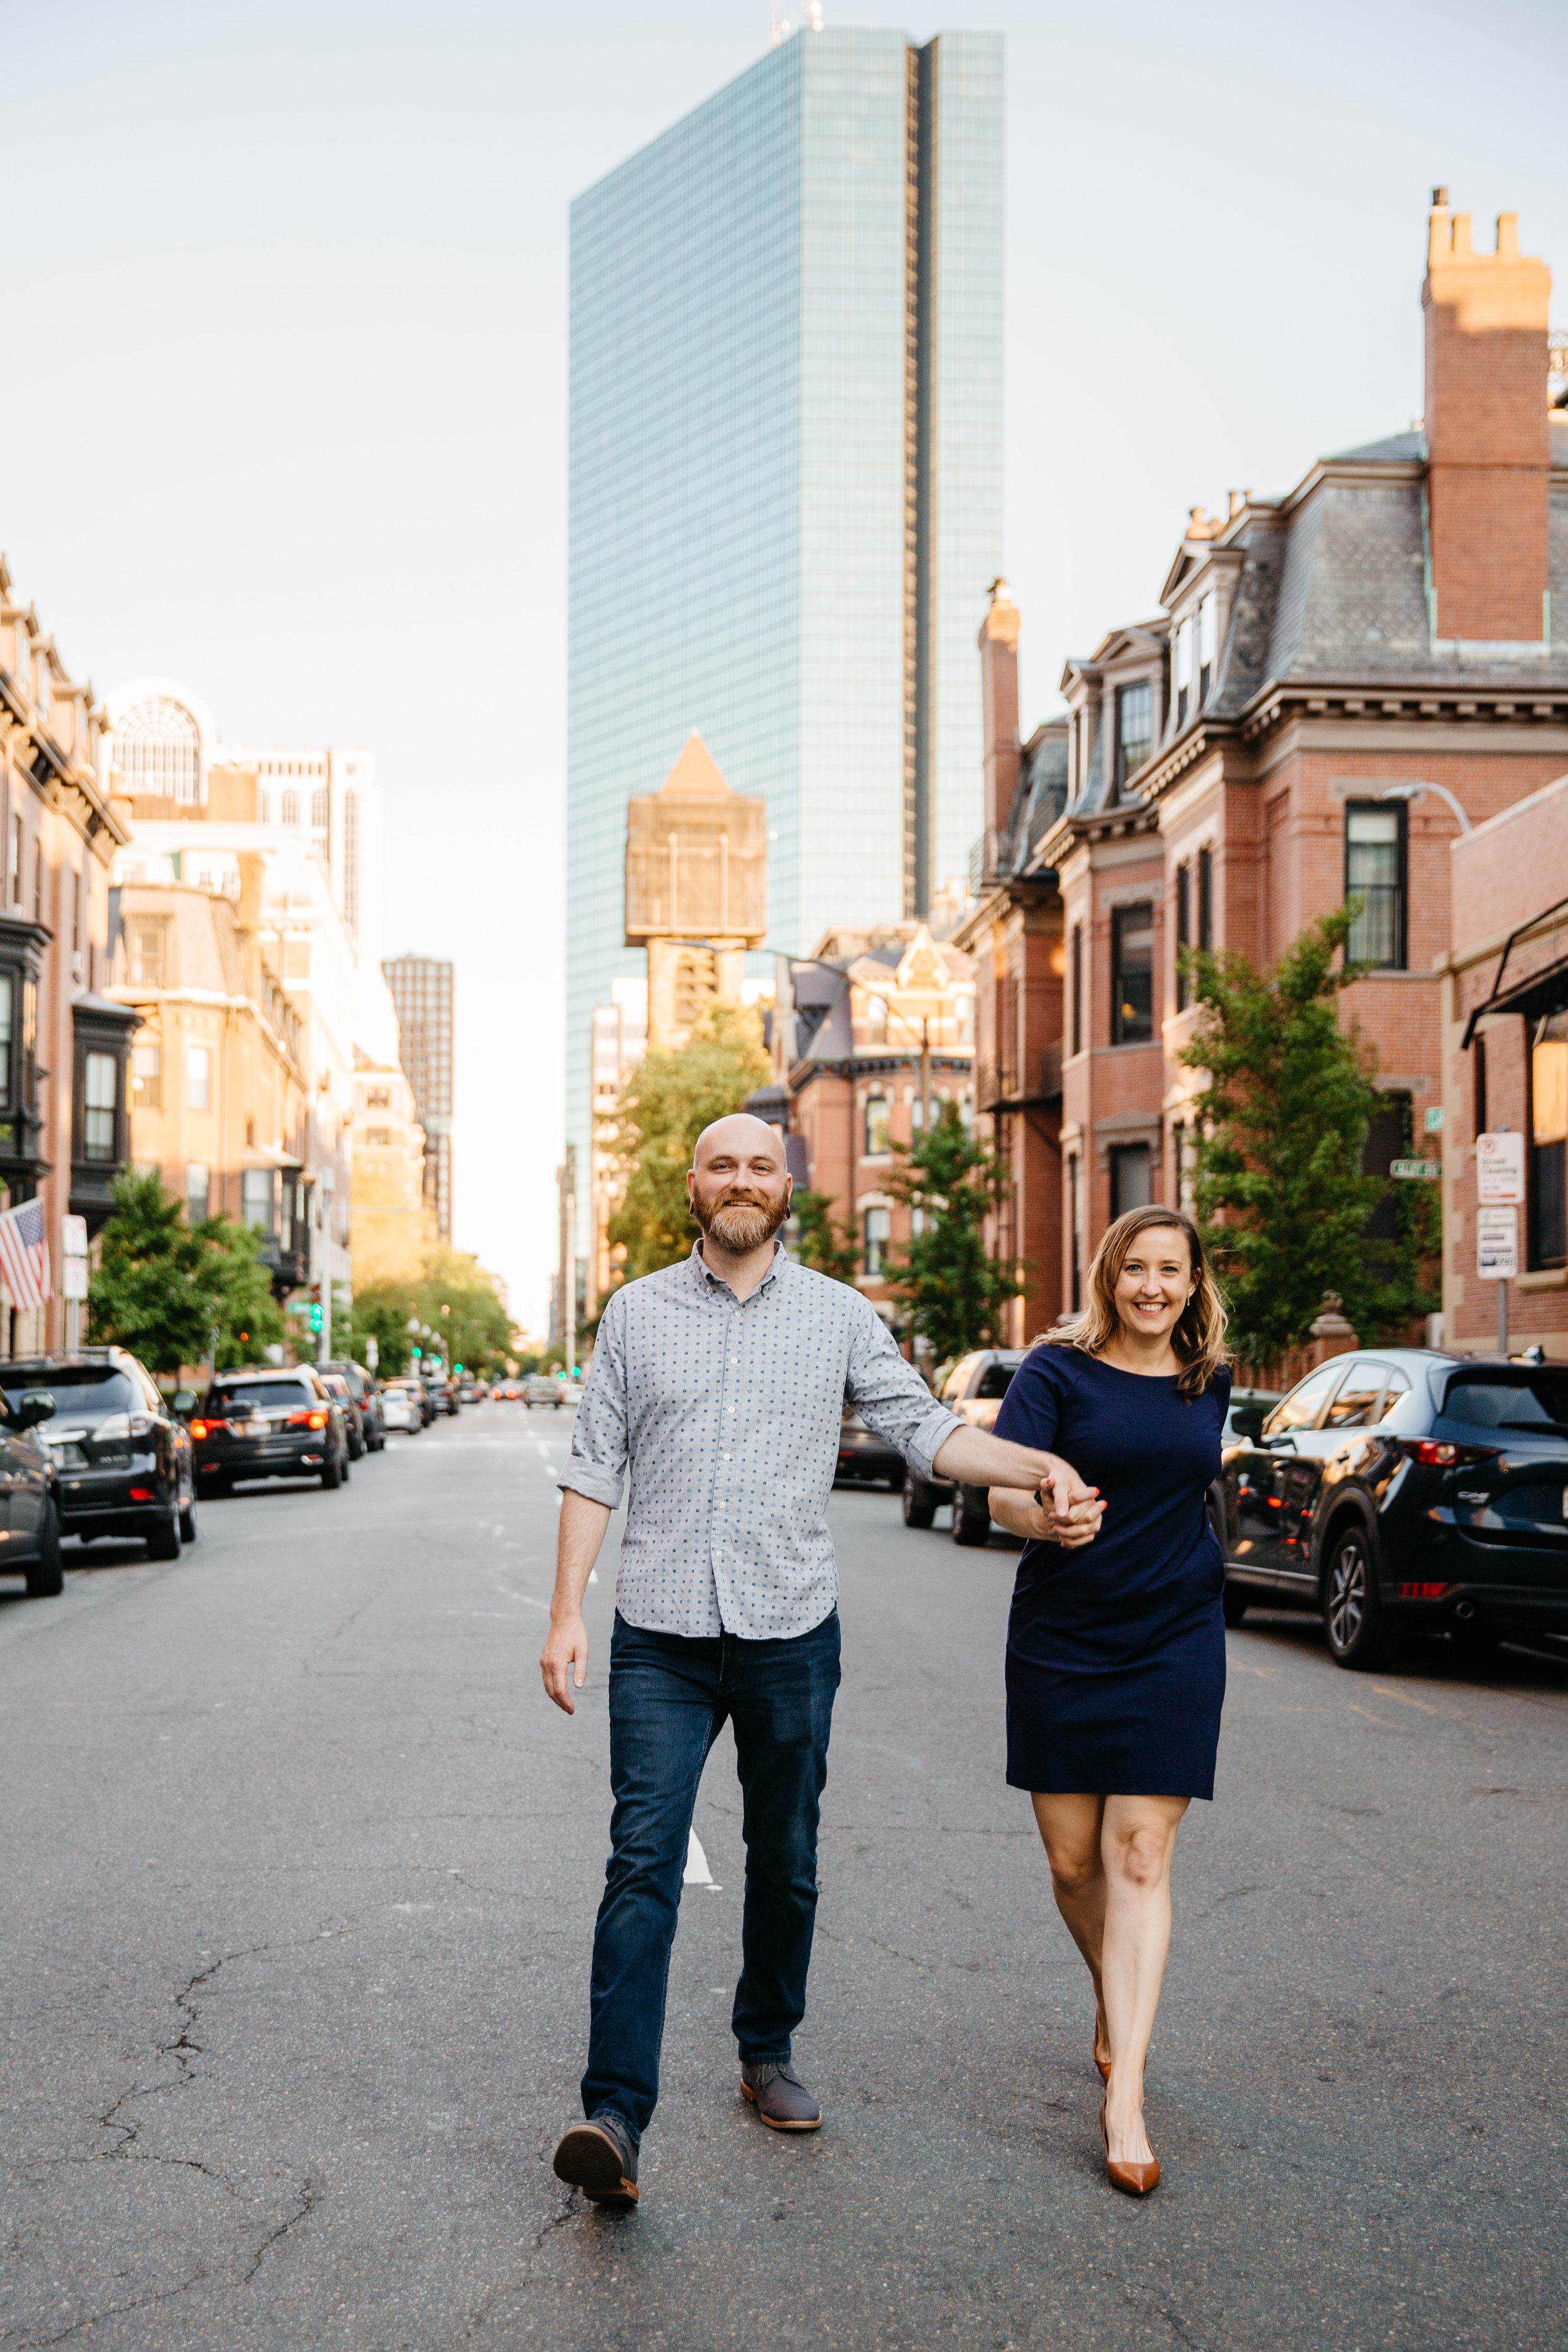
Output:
x=708 y=1282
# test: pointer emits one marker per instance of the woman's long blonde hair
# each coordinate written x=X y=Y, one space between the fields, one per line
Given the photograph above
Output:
x=1199 y=1337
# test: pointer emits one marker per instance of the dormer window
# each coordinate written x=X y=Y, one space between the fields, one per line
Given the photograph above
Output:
x=1134 y=730
x=1207 y=624
x=1182 y=669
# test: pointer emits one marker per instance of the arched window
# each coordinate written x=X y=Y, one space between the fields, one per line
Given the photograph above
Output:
x=320 y=808
x=290 y=807
x=159 y=750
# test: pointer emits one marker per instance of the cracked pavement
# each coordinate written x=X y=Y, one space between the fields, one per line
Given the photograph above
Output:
x=302 y=1878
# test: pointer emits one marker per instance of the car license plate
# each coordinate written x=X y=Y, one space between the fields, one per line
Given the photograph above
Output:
x=112 y=1462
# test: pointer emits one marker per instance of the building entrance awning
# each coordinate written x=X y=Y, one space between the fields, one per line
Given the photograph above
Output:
x=1532 y=995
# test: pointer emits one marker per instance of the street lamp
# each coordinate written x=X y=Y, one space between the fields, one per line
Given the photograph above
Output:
x=1413 y=792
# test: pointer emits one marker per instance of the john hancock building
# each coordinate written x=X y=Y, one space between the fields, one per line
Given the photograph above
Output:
x=787 y=482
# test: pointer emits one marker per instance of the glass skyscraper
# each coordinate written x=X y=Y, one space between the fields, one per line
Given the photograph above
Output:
x=787 y=482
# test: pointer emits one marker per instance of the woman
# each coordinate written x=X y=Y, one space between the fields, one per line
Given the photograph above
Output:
x=1116 y=1641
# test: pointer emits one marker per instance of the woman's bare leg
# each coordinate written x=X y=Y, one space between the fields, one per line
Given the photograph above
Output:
x=1138 y=1838
x=1073 y=1829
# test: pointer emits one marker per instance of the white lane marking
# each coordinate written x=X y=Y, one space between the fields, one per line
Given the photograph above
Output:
x=697 y=1872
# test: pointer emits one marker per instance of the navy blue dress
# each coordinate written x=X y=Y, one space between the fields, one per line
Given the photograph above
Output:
x=1115 y=1650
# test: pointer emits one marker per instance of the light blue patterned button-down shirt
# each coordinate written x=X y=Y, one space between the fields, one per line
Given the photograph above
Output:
x=726 y=1412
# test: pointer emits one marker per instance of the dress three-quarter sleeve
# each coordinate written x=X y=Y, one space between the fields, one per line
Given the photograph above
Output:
x=1031 y=1411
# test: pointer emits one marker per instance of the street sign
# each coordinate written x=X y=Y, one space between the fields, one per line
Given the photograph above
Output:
x=1500 y=1169
x=1425 y=1170
x=1496 y=1244
x=1434 y=1118
x=73 y=1242
x=73 y=1276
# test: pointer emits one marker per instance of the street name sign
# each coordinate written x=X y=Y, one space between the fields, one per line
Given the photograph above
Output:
x=1500 y=1169
x=1425 y=1170
x=1496 y=1244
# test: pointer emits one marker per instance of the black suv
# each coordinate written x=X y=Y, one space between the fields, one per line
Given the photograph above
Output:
x=267 y=1424
x=30 y=1496
x=121 y=1459
x=1402 y=1488
x=366 y=1396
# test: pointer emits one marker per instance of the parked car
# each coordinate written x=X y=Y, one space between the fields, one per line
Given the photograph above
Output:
x=367 y=1398
x=468 y=1392
x=541 y=1388
x=353 y=1428
x=1401 y=1488
x=122 y=1461
x=973 y=1388
x=864 y=1458
x=270 y=1423
x=443 y=1394
x=402 y=1407
x=1241 y=1400
x=32 y=1486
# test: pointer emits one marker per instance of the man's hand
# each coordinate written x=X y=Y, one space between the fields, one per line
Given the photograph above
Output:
x=563 y=1661
x=1039 y=1515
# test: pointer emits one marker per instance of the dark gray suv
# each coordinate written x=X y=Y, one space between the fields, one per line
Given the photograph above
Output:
x=269 y=1424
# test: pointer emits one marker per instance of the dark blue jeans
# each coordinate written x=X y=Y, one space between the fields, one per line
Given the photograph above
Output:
x=670 y=1698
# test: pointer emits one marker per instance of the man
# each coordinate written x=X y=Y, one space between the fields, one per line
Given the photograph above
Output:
x=720 y=1382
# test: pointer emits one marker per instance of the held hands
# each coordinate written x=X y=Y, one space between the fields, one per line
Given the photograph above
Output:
x=563 y=1661
x=1066 y=1511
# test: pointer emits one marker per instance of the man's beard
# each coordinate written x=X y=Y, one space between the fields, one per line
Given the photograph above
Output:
x=741 y=1225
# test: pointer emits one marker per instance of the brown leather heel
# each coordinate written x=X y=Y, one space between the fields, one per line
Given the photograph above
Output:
x=1132 y=2180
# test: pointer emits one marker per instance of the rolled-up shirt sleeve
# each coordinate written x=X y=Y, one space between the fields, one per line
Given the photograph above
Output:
x=596 y=1465
x=891 y=1397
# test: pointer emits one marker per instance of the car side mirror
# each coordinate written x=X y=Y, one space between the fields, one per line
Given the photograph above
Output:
x=184 y=1403
x=36 y=1404
x=1246 y=1420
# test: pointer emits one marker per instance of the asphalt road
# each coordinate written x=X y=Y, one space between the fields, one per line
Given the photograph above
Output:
x=300 y=1891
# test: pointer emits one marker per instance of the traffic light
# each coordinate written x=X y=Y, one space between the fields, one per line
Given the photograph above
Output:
x=315 y=1315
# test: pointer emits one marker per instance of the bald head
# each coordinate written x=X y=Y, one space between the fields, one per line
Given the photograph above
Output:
x=738 y=1185
x=740 y=1139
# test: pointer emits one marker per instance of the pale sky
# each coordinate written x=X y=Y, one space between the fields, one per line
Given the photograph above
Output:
x=282 y=400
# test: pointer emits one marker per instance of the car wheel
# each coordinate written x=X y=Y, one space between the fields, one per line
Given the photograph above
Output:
x=920 y=1503
x=1353 y=1615
x=348 y=1457
x=1236 y=1602
x=972 y=1516
x=46 y=1575
x=163 y=1540
x=188 y=1521
x=332 y=1472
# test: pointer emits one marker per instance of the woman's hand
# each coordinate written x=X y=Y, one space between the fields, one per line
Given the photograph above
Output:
x=1048 y=1516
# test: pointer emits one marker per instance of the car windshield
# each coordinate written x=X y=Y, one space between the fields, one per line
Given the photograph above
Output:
x=1511 y=1399
x=263 y=1395
x=78 y=1392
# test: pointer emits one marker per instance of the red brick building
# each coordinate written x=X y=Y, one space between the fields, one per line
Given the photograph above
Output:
x=1328 y=668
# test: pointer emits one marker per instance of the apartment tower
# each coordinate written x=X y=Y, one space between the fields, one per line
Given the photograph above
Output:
x=786 y=483
x=422 y=992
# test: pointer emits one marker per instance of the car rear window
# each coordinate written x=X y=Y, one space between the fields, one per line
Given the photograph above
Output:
x=263 y=1394
x=995 y=1379
x=1514 y=1400
x=83 y=1392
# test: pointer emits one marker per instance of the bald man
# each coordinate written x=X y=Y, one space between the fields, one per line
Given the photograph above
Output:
x=719 y=1385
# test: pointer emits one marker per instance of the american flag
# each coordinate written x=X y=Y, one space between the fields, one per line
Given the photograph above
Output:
x=25 y=1254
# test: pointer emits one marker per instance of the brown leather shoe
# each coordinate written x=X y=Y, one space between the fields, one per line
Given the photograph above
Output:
x=1132 y=2180
x=780 y=2097
x=598 y=2158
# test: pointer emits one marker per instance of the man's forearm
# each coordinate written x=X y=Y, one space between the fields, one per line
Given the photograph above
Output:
x=975 y=1458
x=577 y=1539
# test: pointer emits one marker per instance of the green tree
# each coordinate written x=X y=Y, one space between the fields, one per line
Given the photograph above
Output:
x=821 y=1242
x=1283 y=1123
x=163 y=1287
x=452 y=1292
x=954 y=1289
x=664 y=1107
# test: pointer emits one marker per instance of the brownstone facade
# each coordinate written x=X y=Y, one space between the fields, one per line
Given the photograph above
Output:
x=1331 y=670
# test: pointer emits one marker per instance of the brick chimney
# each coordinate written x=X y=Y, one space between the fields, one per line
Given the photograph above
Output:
x=1489 y=460
x=999 y=704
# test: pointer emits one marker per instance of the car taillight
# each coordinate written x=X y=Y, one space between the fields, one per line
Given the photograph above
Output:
x=1440 y=1454
x=313 y=1419
x=142 y=1494
x=142 y=1423
x=198 y=1428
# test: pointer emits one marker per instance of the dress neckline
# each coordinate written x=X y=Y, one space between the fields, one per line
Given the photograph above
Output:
x=1126 y=1374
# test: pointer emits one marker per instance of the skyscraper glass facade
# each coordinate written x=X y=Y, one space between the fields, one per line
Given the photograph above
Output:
x=786 y=482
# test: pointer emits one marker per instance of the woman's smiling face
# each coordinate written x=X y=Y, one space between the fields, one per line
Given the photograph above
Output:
x=1156 y=1283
